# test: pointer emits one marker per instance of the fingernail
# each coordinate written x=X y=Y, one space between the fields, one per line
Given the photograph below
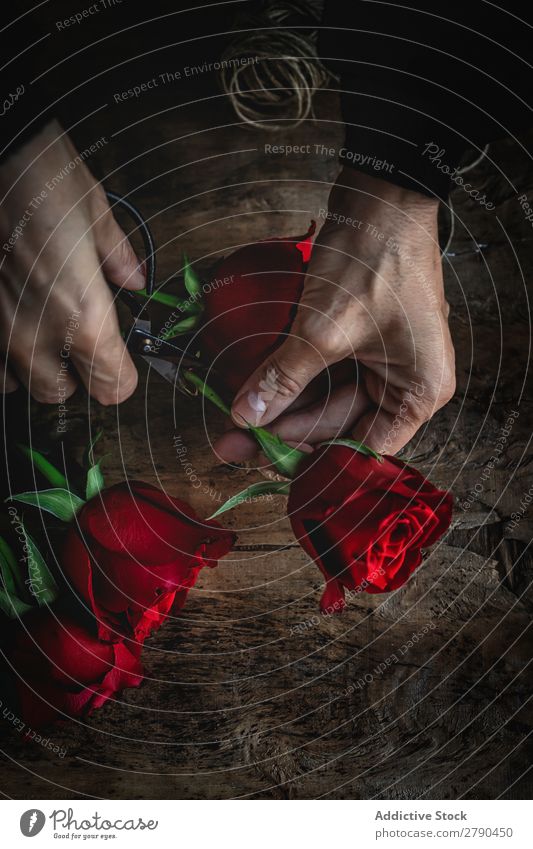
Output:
x=250 y=408
x=256 y=402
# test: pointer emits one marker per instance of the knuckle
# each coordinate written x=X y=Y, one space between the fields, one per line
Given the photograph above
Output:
x=91 y=331
x=100 y=205
x=127 y=385
x=447 y=390
x=120 y=253
x=22 y=356
x=125 y=252
x=106 y=395
x=422 y=408
x=115 y=392
x=333 y=343
x=325 y=336
x=415 y=411
x=282 y=383
x=43 y=393
x=87 y=339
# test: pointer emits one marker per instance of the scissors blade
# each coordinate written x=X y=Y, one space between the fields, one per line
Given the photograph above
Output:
x=143 y=324
x=170 y=371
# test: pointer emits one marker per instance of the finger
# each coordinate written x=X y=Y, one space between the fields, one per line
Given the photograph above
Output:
x=44 y=375
x=329 y=418
x=98 y=351
x=235 y=446
x=238 y=446
x=120 y=264
x=277 y=383
x=8 y=382
x=384 y=432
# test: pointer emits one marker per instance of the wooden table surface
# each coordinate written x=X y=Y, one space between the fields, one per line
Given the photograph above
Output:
x=238 y=701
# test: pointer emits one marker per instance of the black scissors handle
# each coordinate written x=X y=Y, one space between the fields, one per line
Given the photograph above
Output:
x=147 y=344
x=148 y=242
x=140 y=339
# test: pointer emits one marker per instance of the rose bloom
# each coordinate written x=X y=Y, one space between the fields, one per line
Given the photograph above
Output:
x=250 y=302
x=133 y=552
x=363 y=522
x=62 y=670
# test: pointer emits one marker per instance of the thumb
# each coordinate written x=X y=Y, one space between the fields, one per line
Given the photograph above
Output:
x=277 y=382
x=119 y=262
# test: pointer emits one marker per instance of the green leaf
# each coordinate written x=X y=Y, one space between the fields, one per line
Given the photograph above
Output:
x=183 y=326
x=254 y=491
x=52 y=475
x=285 y=459
x=95 y=481
x=12 y=606
x=60 y=502
x=88 y=454
x=41 y=582
x=193 y=284
x=357 y=446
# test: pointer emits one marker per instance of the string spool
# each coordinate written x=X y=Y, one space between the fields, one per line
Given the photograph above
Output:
x=283 y=71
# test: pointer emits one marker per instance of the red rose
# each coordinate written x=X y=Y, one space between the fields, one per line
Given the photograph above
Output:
x=251 y=301
x=364 y=522
x=60 y=668
x=133 y=551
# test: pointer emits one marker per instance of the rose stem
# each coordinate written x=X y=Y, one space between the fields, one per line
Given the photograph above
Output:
x=206 y=391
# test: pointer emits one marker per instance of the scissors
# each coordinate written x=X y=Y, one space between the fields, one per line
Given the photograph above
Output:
x=168 y=360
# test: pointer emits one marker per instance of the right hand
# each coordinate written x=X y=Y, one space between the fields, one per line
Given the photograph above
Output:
x=373 y=293
x=65 y=245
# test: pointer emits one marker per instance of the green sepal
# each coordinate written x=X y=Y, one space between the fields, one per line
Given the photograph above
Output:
x=10 y=570
x=88 y=454
x=251 y=492
x=12 y=606
x=95 y=481
x=52 y=475
x=59 y=502
x=39 y=574
x=183 y=326
x=194 y=307
x=164 y=298
x=357 y=446
x=193 y=284
x=285 y=459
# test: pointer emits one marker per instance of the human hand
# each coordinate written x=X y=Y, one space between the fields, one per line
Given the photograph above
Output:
x=374 y=294
x=60 y=245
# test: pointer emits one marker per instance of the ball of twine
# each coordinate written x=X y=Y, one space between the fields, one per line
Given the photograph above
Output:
x=283 y=70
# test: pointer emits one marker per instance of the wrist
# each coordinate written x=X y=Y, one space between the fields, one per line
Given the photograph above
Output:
x=376 y=190
x=28 y=154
